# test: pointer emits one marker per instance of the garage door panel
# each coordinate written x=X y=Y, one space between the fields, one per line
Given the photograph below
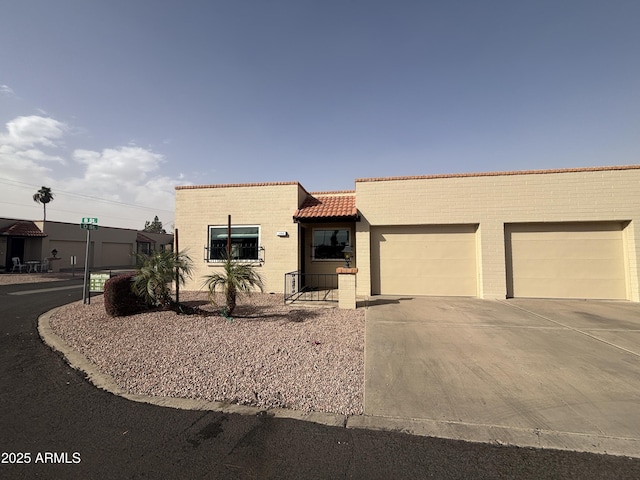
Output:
x=568 y=268
x=424 y=260
x=576 y=288
x=582 y=260
x=563 y=248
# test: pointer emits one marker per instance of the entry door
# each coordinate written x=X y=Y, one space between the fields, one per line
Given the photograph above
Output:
x=15 y=249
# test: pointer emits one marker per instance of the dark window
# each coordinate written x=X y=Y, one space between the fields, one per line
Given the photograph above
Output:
x=328 y=244
x=244 y=242
x=144 y=248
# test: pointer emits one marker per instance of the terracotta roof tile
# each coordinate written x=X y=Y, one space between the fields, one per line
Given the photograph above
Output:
x=334 y=206
x=22 y=229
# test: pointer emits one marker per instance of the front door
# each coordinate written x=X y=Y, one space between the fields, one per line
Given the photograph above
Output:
x=15 y=248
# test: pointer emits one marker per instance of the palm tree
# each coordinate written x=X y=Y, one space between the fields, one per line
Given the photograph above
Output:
x=155 y=274
x=236 y=278
x=43 y=196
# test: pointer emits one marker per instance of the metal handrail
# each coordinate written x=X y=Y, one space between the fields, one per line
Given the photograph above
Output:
x=310 y=287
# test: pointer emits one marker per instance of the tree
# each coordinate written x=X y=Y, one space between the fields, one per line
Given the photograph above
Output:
x=44 y=196
x=154 y=227
x=155 y=274
x=236 y=278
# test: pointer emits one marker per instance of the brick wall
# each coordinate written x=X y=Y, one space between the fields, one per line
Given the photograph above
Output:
x=491 y=201
x=269 y=205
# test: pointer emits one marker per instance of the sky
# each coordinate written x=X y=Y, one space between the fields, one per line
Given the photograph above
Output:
x=113 y=103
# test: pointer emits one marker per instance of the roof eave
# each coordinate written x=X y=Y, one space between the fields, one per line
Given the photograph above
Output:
x=335 y=219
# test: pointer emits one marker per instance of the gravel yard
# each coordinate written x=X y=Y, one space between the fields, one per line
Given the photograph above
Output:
x=269 y=355
x=21 y=278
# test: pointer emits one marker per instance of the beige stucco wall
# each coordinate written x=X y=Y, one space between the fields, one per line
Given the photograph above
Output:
x=491 y=201
x=107 y=244
x=271 y=206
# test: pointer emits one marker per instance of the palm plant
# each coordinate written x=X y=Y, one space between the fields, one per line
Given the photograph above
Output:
x=155 y=274
x=235 y=278
x=43 y=196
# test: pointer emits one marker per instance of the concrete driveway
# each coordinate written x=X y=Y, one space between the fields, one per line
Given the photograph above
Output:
x=551 y=373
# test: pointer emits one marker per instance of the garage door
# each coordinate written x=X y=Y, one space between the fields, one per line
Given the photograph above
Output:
x=116 y=254
x=424 y=260
x=67 y=249
x=573 y=260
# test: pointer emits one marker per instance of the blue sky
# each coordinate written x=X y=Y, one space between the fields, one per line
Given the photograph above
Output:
x=113 y=103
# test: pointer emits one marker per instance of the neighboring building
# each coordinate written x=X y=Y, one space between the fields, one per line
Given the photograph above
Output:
x=109 y=248
x=570 y=233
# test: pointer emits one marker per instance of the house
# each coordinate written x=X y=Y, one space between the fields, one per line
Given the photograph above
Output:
x=58 y=242
x=567 y=233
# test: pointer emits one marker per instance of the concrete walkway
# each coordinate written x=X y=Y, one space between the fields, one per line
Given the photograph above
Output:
x=547 y=373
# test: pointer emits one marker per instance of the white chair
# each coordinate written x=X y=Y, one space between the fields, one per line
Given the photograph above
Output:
x=44 y=266
x=17 y=264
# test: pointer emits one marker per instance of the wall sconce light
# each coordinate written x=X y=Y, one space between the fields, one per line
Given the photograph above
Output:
x=54 y=252
x=347 y=251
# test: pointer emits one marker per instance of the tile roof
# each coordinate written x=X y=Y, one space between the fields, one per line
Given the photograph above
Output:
x=22 y=229
x=144 y=239
x=328 y=207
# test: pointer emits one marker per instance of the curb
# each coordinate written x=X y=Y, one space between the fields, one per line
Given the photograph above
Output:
x=477 y=433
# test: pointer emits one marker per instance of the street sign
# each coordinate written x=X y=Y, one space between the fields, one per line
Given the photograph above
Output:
x=89 y=223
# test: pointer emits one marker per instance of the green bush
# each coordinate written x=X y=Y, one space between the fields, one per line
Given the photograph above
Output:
x=156 y=273
x=119 y=298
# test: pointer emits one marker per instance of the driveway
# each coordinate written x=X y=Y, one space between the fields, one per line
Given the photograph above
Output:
x=551 y=373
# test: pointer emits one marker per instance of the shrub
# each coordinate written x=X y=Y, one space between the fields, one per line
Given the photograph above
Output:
x=236 y=278
x=157 y=271
x=119 y=299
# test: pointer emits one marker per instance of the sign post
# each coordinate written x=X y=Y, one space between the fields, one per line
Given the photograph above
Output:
x=88 y=223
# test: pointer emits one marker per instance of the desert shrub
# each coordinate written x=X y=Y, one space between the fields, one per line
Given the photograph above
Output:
x=119 y=298
x=236 y=278
x=155 y=274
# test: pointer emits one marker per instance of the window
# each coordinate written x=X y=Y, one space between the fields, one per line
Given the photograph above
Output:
x=245 y=242
x=144 y=248
x=328 y=244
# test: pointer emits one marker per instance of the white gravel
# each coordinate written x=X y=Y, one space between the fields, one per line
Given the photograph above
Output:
x=269 y=355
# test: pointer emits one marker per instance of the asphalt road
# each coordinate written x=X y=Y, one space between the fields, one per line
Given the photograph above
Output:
x=70 y=429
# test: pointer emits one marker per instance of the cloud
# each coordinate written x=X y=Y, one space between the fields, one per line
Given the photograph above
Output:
x=33 y=130
x=7 y=90
x=127 y=176
x=122 y=164
x=24 y=145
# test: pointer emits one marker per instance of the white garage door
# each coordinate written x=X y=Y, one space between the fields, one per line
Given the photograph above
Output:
x=572 y=260
x=424 y=260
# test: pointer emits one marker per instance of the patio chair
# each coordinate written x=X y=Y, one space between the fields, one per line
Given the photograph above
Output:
x=17 y=264
x=44 y=266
